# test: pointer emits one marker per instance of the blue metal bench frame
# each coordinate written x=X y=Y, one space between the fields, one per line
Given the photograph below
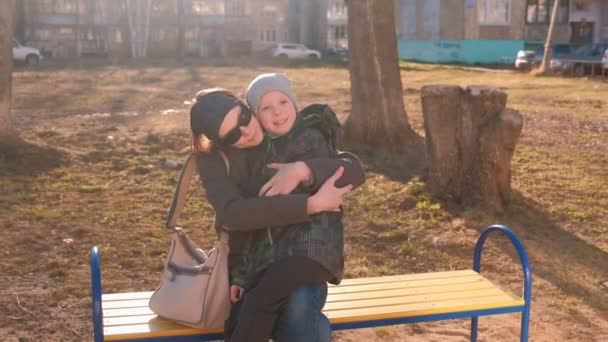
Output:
x=524 y=309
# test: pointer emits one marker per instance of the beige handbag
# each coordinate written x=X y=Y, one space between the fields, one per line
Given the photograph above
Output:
x=194 y=289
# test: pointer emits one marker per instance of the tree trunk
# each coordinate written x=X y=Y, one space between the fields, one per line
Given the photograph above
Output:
x=131 y=22
x=78 y=30
x=180 y=30
x=146 y=34
x=545 y=66
x=7 y=133
x=138 y=16
x=470 y=140
x=378 y=118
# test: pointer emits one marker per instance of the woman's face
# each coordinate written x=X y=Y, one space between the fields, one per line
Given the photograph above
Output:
x=251 y=135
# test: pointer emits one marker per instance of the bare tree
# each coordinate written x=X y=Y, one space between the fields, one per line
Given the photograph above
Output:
x=77 y=31
x=180 y=30
x=7 y=132
x=549 y=43
x=138 y=17
x=378 y=118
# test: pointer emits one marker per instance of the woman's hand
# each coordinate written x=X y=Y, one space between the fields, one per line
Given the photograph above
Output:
x=287 y=178
x=236 y=293
x=328 y=198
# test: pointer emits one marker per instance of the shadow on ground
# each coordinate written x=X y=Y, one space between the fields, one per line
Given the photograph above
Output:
x=555 y=254
x=23 y=158
x=399 y=166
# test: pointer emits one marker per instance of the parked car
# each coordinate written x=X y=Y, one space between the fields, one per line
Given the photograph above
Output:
x=29 y=55
x=528 y=59
x=336 y=52
x=585 y=53
x=293 y=51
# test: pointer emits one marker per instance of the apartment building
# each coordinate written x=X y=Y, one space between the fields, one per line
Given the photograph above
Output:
x=202 y=27
x=492 y=31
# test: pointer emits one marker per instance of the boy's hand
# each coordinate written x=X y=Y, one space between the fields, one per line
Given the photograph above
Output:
x=286 y=179
x=328 y=198
x=236 y=293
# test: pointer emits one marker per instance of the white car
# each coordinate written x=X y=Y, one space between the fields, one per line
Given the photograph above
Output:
x=293 y=51
x=29 y=55
x=605 y=60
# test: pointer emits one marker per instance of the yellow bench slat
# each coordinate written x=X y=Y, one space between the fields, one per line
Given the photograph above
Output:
x=156 y=327
x=408 y=284
x=404 y=298
x=358 y=304
x=127 y=315
x=118 y=304
x=407 y=277
x=144 y=310
x=335 y=297
x=126 y=296
x=419 y=309
x=331 y=298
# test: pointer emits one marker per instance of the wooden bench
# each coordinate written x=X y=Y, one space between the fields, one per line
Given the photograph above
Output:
x=355 y=303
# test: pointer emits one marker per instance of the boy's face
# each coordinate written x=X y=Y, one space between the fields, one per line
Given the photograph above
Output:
x=276 y=112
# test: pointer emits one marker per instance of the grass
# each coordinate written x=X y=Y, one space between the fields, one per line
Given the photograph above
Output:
x=95 y=179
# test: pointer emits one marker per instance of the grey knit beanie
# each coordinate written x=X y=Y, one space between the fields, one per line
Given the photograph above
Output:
x=265 y=83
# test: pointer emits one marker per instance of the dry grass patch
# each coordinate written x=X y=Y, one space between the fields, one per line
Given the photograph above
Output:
x=91 y=171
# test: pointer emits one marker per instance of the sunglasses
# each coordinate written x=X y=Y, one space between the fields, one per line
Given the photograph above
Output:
x=235 y=134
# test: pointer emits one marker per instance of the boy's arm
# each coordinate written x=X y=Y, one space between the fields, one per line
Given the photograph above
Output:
x=235 y=212
x=314 y=150
x=322 y=168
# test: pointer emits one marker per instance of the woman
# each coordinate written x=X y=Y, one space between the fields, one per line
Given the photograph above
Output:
x=221 y=122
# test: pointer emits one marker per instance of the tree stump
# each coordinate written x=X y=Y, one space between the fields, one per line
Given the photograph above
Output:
x=470 y=140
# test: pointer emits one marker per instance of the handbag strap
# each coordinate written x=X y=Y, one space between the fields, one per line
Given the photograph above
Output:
x=181 y=190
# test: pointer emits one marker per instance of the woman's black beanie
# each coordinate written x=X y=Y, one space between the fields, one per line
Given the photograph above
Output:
x=208 y=113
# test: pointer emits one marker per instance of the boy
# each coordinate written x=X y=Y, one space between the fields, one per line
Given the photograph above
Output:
x=282 y=259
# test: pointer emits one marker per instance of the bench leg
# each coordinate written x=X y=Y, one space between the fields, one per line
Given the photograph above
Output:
x=523 y=258
x=96 y=296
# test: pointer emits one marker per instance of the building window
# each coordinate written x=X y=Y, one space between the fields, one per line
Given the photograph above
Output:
x=118 y=36
x=66 y=30
x=56 y=6
x=269 y=35
x=191 y=34
x=64 y=7
x=269 y=11
x=41 y=34
x=539 y=11
x=494 y=12
x=235 y=7
x=207 y=7
x=163 y=8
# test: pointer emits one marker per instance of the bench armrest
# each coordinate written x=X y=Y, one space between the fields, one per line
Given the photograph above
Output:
x=96 y=295
x=523 y=258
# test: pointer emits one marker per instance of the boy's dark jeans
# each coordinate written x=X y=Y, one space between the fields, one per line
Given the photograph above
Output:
x=253 y=317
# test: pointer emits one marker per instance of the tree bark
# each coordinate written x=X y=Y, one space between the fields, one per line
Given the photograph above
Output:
x=77 y=31
x=180 y=30
x=470 y=140
x=7 y=133
x=138 y=17
x=378 y=118
x=545 y=66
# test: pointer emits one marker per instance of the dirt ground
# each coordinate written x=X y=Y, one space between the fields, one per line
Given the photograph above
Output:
x=91 y=170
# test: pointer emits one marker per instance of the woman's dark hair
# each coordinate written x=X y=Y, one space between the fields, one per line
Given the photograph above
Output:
x=200 y=142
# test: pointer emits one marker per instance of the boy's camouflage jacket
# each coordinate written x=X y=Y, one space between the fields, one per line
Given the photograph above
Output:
x=313 y=136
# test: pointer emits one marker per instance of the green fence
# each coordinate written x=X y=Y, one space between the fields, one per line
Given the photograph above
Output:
x=461 y=51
